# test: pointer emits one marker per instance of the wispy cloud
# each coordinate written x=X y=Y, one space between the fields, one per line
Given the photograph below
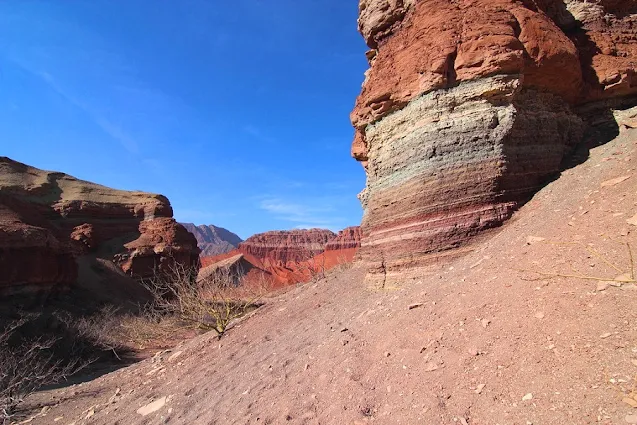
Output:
x=111 y=128
x=312 y=213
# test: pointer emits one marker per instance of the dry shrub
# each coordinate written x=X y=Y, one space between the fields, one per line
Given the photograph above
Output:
x=26 y=365
x=312 y=265
x=149 y=328
x=210 y=303
x=342 y=265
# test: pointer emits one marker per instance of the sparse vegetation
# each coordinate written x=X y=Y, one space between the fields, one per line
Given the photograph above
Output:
x=624 y=274
x=27 y=365
x=210 y=303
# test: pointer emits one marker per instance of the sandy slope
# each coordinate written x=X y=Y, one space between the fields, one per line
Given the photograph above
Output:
x=488 y=333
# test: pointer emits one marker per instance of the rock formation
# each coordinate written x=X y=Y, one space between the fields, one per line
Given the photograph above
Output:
x=48 y=220
x=348 y=238
x=213 y=240
x=470 y=106
x=282 y=258
x=283 y=248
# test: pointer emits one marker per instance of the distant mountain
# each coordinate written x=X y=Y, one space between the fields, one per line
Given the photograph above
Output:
x=213 y=240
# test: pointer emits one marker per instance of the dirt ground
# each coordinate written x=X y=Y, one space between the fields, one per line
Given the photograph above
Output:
x=484 y=340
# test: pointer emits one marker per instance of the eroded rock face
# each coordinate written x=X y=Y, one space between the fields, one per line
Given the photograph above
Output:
x=283 y=247
x=48 y=219
x=348 y=238
x=467 y=109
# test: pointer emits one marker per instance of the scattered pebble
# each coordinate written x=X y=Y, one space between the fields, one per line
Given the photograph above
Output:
x=632 y=221
x=629 y=401
x=533 y=240
x=602 y=286
x=606 y=335
x=480 y=388
x=485 y=322
x=527 y=397
x=430 y=367
x=539 y=315
x=615 y=181
x=152 y=407
x=174 y=356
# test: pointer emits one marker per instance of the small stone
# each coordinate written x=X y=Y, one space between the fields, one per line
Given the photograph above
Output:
x=387 y=354
x=629 y=401
x=463 y=421
x=625 y=278
x=632 y=221
x=480 y=388
x=174 y=356
x=539 y=315
x=602 y=286
x=59 y=418
x=615 y=181
x=534 y=239
x=416 y=305
x=634 y=362
x=152 y=407
x=90 y=413
x=631 y=419
x=430 y=367
x=485 y=322
x=527 y=397
x=606 y=335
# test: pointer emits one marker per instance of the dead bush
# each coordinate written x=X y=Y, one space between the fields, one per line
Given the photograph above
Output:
x=210 y=303
x=27 y=365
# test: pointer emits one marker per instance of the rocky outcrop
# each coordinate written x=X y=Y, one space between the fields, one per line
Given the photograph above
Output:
x=213 y=240
x=348 y=238
x=281 y=258
x=31 y=251
x=468 y=108
x=285 y=247
x=49 y=219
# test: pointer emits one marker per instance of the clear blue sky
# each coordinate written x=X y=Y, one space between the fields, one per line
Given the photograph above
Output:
x=238 y=111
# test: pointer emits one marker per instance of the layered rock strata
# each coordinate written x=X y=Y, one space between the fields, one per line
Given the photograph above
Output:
x=467 y=110
x=282 y=258
x=284 y=247
x=348 y=238
x=49 y=219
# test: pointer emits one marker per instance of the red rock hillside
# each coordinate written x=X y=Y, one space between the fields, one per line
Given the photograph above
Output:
x=470 y=106
x=281 y=258
x=50 y=222
x=283 y=248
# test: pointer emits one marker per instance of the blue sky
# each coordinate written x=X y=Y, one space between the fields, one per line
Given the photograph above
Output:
x=238 y=111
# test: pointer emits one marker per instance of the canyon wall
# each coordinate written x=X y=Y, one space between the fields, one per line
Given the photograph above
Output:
x=469 y=107
x=49 y=220
x=348 y=238
x=286 y=247
x=283 y=258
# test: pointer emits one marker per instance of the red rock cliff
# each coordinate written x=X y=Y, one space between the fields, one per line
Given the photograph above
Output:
x=348 y=238
x=48 y=219
x=286 y=247
x=469 y=106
